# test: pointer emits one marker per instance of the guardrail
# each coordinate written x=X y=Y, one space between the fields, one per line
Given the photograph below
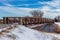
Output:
x=26 y=20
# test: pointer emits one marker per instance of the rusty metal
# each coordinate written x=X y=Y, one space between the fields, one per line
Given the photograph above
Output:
x=27 y=20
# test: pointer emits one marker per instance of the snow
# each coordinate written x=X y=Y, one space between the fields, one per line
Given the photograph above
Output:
x=56 y=35
x=58 y=23
x=24 y=33
x=32 y=26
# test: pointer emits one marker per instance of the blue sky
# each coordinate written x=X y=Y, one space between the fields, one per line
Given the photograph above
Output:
x=23 y=7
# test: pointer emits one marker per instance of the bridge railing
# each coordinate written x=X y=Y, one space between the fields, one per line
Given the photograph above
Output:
x=27 y=20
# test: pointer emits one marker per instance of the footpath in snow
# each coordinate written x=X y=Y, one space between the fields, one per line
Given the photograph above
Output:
x=24 y=33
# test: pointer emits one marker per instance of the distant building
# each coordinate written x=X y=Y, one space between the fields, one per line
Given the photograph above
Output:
x=26 y=20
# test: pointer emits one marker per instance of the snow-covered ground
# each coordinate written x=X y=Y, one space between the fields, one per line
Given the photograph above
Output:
x=58 y=23
x=24 y=33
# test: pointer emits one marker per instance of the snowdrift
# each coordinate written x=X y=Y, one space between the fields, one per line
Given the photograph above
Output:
x=58 y=23
x=24 y=33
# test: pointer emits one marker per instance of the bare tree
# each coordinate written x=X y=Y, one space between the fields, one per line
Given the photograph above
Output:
x=37 y=13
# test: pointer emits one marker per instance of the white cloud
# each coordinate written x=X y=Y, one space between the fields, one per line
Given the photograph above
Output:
x=51 y=8
x=53 y=3
x=26 y=4
x=47 y=9
x=16 y=11
x=23 y=5
x=49 y=13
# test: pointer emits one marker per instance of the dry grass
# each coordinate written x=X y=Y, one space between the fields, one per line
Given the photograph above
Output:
x=56 y=28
